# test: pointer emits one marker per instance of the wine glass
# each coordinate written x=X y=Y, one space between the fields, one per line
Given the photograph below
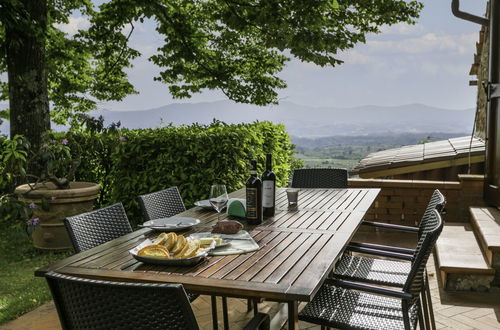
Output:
x=218 y=198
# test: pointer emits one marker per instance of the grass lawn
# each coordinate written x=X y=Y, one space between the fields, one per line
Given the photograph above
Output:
x=20 y=291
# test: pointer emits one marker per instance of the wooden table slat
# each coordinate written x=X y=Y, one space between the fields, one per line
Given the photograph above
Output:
x=298 y=247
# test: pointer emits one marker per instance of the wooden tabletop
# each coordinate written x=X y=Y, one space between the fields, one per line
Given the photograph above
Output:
x=298 y=248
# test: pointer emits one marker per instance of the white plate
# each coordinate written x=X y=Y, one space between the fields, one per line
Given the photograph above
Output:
x=171 y=224
x=200 y=256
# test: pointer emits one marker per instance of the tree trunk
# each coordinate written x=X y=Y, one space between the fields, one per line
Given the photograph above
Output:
x=28 y=94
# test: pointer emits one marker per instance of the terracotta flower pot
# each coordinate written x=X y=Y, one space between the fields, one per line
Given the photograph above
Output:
x=51 y=234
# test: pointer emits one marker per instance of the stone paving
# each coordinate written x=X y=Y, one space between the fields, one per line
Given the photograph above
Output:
x=452 y=310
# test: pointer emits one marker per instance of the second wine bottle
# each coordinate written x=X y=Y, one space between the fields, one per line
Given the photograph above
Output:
x=268 y=188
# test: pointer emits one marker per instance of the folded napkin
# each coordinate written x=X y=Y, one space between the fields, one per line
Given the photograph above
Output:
x=240 y=243
x=236 y=207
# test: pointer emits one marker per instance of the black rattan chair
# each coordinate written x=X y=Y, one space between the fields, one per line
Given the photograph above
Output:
x=88 y=230
x=91 y=304
x=319 y=178
x=390 y=272
x=352 y=305
x=94 y=304
x=162 y=204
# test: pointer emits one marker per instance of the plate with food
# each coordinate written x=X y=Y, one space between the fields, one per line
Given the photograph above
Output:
x=172 y=250
x=171 y=224
x=208 y=239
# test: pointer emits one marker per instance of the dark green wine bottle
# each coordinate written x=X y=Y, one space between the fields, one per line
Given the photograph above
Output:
x=254 y=196
x=269 y=188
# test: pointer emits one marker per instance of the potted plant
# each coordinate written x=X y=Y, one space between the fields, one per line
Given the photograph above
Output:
x=50 y=195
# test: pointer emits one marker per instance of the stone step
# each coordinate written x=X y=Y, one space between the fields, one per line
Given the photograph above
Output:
x=460 y=260
x=486 y=224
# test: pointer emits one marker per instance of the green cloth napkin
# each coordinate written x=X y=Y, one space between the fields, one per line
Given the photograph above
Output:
x=236 y=207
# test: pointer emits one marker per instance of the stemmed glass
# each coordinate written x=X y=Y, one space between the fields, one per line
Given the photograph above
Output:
x=218 y=198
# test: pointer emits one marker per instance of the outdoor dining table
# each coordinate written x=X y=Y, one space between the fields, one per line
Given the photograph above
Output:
x=298 y=249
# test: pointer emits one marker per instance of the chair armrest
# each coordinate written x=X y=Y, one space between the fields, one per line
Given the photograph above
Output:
x=390 y=226
x=370 y=288
x=396 y=249
x=402 y=256
x=260 y=321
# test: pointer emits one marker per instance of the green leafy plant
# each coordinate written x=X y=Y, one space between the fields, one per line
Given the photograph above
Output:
x=13 y=159
x=98 y=143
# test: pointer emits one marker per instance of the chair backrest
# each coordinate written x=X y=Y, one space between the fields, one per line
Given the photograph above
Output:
x=426 y=243
x=437 y=202
x=93 y=304
x=162 y=204
x=88 y=230
x=319 y=178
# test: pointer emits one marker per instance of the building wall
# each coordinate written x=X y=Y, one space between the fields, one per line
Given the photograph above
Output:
x=404 y=201
x=482 y=78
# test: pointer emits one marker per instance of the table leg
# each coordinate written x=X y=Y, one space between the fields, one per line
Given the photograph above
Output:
x=293 y=315
x=214 y=313
x=224 y=313
x=255 y=303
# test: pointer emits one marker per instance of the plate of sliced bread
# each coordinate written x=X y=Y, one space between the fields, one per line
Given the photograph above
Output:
x=171 y=249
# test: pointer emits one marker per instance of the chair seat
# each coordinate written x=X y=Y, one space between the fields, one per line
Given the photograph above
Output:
x=372 y=270
x=345 y=308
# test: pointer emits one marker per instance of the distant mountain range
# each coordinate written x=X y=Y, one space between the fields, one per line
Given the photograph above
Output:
x=303 y=120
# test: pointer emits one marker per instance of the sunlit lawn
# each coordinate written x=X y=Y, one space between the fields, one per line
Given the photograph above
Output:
x=20 y=291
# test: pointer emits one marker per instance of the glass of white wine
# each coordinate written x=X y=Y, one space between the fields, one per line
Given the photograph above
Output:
x=218 y=198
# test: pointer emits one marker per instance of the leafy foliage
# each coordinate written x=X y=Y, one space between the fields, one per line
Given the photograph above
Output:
x=13 y=159
x=190 y=157
x=236 y=46
x=129 y=163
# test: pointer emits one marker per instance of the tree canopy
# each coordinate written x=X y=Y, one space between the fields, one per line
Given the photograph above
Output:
x=235 y=46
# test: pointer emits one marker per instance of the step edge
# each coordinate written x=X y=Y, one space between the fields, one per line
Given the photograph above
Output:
x=487 y=270
x=479 y=231
x=462 y=270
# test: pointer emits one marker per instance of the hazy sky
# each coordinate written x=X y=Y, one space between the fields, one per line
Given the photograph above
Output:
x=425 y=63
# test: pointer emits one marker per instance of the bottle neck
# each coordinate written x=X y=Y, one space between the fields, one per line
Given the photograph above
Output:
x=269 y=163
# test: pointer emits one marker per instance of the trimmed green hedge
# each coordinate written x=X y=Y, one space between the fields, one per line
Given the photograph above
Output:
x=189 y=157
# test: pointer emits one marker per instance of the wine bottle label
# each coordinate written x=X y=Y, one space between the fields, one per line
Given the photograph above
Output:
x=268 y=193
x=251 y=203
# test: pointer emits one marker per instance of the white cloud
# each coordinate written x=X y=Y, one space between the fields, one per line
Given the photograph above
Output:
x=355 y=57
x=427 y=43
x=402 y=28
x=75 y=24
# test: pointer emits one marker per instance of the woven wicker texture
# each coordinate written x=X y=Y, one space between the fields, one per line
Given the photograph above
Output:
x=319 y=178
x=92 y=304
x=437 y=202
x=415 y=281
x=162 y=204
x=344 y=308
x=88 y=230
x=372 y=270
x=387 y=272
